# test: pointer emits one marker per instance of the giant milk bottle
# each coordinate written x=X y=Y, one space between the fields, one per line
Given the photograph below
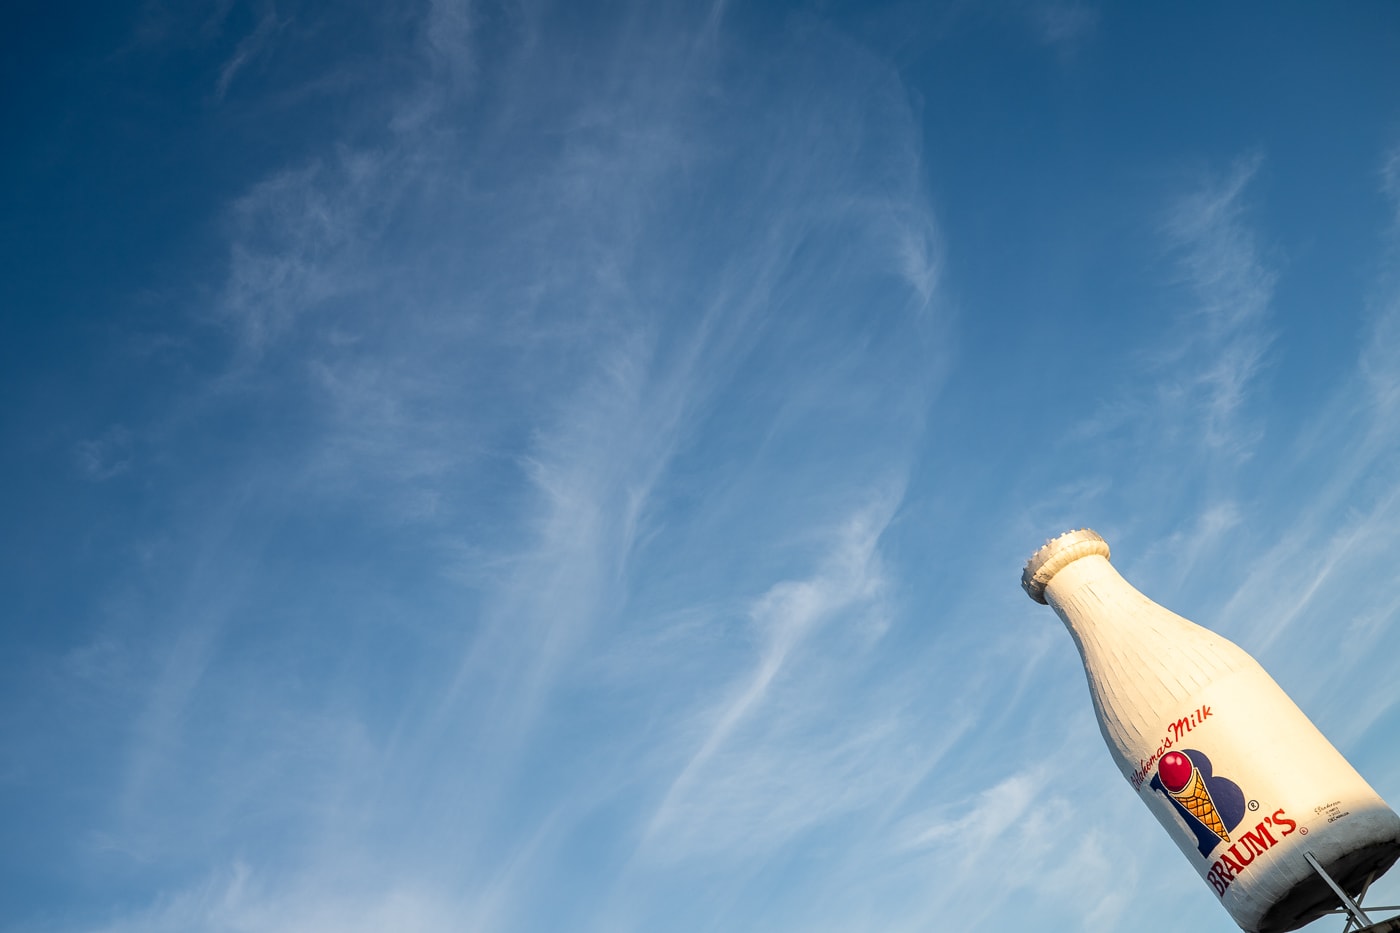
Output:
x=1239 y=776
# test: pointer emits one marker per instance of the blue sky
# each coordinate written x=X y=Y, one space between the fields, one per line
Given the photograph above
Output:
x=511 y=466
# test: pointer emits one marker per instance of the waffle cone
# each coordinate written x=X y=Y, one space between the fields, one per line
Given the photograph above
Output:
x=1196 y=799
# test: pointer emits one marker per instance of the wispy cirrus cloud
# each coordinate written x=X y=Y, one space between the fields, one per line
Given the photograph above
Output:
x=107 y=455
x=1194 y=388
x=1029 y=834
x=551 y=391
x=248 y=49
x=236 y=899
x=1223 y=338
x=1197 y=378
x=762 y=769
x=540 y=481
x=298 y=241
x=1343 y=525
x=1065 y=25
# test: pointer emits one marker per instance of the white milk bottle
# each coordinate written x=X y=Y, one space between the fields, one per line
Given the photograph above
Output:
x=1242 y=780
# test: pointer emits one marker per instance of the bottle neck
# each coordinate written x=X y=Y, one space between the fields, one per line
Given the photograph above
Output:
x=1142 y=661
x=1080 y=591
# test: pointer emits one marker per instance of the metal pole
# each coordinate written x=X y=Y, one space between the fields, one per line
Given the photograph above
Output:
x=1353 y=909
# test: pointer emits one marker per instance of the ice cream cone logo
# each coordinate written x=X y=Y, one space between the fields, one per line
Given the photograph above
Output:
x=1187 y=786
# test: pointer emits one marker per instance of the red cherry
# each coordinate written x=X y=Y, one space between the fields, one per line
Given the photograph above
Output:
x=1175 y=771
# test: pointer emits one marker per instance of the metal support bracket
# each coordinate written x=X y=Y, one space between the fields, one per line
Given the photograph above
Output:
x=1352 y=908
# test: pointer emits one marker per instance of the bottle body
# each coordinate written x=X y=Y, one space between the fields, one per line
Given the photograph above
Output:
x=1235 y=772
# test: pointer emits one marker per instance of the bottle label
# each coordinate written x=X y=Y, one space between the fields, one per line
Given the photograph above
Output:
x=1238 y=775
x=1214 y=808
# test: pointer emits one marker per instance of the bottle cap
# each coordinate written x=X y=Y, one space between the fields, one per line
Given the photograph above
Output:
x=1055 y=555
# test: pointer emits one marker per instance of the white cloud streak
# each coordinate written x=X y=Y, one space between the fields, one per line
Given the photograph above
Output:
x=107 y=455
x=717 y=797
x=249 y=48
x=1349 y=519
x=520 y=375
x=237 y=901
x=1224 y=340
x=1203 y=368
